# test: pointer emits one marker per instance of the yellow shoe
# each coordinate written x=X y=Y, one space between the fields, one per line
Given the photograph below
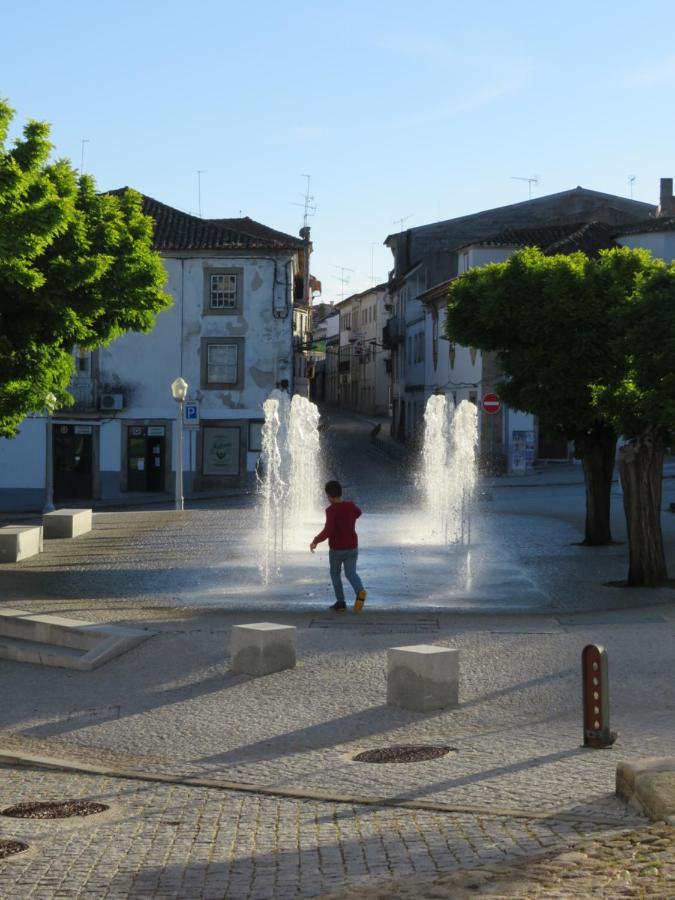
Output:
x=360 y=600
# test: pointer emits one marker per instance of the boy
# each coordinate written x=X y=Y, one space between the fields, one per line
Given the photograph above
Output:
x=341 y=517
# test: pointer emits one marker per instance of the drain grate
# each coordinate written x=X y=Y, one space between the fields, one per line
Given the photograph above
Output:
x=416 y=627
x=60 y=809
x=404 y=754
x=9 y=848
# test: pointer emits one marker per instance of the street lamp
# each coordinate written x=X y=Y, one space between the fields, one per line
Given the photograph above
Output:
x=50 y=406
x=179 y=389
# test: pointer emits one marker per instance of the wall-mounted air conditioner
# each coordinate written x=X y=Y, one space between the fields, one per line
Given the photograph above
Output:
x=110 y=402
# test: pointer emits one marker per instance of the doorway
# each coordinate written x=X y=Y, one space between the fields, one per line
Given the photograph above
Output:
x=146 y=458
x=73 y=462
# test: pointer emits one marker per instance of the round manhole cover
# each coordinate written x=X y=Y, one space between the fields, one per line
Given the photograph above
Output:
x=9 y=848
x=404 y=754
x=60 y=809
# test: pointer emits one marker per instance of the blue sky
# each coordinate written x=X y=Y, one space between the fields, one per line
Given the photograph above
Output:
x=396 y=109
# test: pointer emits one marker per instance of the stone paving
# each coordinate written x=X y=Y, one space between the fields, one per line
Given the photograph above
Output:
x=517 y=783
x=172 y=841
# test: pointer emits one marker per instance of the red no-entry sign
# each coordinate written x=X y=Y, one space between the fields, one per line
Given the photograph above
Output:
x=491 y=403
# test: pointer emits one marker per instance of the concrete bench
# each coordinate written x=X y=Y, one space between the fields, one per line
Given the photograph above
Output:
x=67 y=523
x=262 y=648
x=19 y=542
x=422 y=677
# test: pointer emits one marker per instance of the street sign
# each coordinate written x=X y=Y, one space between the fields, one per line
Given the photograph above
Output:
x=191 y=412
x=491 y=404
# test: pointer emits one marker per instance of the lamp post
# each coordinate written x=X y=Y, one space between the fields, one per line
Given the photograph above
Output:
x=179 y=389
x=50 y=406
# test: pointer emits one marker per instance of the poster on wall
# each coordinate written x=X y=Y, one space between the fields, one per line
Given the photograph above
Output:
x=220 y=453
x=522 y=451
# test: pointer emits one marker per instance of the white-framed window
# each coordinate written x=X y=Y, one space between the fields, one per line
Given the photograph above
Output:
x=222 y=363
x=223 y=291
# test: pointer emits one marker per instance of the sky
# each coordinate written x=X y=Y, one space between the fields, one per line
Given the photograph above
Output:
x=398 y=111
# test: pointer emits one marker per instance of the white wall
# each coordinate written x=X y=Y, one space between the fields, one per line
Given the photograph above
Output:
x=22 y=459
x=661 y=244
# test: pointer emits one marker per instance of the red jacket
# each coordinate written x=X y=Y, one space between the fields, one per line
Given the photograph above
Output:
x=339 y=528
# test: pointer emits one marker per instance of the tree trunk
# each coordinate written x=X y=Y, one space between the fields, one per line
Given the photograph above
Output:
x=597 y=449
x=641 y=471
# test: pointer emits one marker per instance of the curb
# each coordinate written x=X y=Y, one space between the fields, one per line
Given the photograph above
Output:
x=648 y=784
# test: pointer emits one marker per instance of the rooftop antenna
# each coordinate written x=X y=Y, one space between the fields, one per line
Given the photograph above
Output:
x=84 y=141
x=200 y=172
x=373 y=244
x=530 y=182
x=631 y=181
x=308 y=202
x=401 y=221
x=342 y=278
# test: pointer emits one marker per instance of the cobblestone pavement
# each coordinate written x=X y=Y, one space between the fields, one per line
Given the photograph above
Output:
x=633 y=864
x=177 y=842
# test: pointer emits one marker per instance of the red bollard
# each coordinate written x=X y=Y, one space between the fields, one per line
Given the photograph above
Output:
x=595 y=686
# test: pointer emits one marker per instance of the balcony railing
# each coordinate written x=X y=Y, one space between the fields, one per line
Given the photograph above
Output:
x=84 y=392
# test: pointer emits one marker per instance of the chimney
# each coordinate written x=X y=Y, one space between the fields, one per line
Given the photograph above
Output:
x=666 y=200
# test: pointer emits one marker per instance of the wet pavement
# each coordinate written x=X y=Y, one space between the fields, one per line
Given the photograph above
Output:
x=523 y=553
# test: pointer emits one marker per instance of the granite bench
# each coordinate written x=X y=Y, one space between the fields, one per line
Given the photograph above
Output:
x=67 y=523
x=262 y=648
x=422 y=677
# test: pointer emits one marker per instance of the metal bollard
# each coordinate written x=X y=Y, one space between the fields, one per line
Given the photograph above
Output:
x=595 y=687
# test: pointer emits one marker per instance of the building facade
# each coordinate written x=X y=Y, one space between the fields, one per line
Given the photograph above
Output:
x=426 y=259
x=364 y=382
x=237 y=291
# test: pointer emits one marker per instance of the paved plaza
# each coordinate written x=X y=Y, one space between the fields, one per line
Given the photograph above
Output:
x=224 y=785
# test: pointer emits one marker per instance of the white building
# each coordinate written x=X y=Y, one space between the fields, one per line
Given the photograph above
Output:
x=363 y=361
x=237 y=286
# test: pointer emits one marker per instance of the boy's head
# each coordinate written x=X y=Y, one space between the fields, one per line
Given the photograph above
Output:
x=333 y=490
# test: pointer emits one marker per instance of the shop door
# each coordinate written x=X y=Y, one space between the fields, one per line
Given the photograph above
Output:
x=73 y=462
x=146 y=458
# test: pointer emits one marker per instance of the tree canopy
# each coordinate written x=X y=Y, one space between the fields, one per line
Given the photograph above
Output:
x=588 y=346
x=76 y=268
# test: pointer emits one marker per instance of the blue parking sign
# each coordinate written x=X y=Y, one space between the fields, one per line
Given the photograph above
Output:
x=191 y=411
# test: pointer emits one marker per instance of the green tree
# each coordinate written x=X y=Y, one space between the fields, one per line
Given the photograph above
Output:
x=641 y=406
x=558 y=326
x=76 y=268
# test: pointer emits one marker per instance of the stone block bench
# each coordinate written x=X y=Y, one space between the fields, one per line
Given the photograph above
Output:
x=19 y=542
x=67 y=523
x=422 y=677
x=648 y=784
x=49 y=640
x=262 y=648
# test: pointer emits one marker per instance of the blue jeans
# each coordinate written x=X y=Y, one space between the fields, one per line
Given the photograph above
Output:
x=346 y=558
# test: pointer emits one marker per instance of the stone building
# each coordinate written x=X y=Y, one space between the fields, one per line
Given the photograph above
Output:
x=239 y=290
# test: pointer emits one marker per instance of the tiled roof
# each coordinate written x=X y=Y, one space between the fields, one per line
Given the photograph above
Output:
x=589 y=237
x=176 y=230
x=657 y=223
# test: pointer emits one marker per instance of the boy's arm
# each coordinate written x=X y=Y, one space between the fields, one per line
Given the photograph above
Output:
x=358 y=511
x=325 y=533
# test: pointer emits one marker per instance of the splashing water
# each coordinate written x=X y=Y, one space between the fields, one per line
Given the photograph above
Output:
x=448 y=474
x=290 y=482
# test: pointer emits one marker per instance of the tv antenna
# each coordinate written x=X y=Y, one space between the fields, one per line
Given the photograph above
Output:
x=530 y=182
x=200 y=172
x=631 y=181
x=342 y=278
x=400 y=222
x=84 y=141
x=308 y=202
x=373 y=244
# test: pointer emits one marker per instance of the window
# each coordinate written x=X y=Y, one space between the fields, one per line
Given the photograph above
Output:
x=222 y=291
x=222 y=363
x=346 y=321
